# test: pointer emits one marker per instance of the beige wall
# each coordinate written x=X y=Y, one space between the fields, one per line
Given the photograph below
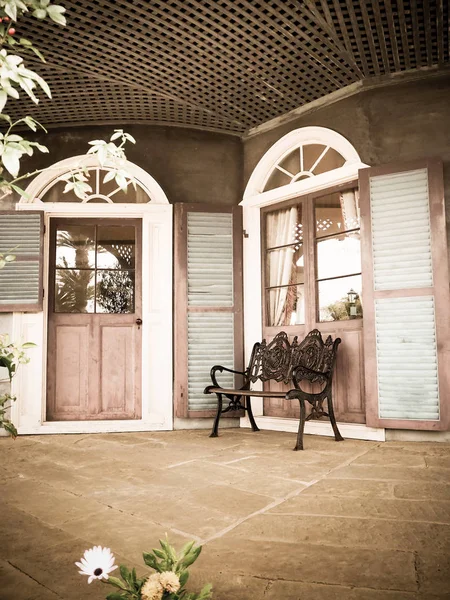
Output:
x=396 y=123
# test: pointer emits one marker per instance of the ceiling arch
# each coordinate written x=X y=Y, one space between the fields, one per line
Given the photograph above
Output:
x=222 y=65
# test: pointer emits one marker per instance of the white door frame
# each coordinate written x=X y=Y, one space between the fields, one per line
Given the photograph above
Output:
x=29 y=385
x=255 y=199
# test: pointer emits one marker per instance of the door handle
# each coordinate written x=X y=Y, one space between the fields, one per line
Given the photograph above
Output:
x=139 y=323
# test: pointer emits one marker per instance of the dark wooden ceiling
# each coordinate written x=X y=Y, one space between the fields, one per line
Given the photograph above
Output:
x=227 y=65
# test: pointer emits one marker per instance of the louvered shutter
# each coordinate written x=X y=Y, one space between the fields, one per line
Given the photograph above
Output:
x=405 y=296
x=21 y=234
x=208 y=297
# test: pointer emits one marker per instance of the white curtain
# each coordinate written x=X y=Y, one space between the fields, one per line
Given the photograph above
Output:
x=350 y=210
x=280 y=231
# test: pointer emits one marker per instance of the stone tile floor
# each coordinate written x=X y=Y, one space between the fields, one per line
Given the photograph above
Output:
x=352 y=520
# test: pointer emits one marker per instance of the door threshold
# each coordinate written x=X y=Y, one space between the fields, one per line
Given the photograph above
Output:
x=123 y=426
x=354 y=431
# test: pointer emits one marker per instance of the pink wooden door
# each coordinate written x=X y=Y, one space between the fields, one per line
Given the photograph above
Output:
x=94 y=335
x=311 y=261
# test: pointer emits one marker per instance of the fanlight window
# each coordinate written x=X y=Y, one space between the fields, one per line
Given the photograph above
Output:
x=108 y=192
x=303 y=162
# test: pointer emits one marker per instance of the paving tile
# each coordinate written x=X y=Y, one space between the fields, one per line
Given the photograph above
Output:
x=352 y=488
x=434 y=572
x=57 y=571
x=53 y=506
x=373 y=525
x=267 y=485
x=390 y=457
x=389 y=473
x=124 y=533
x=182 y=513
x=22 y=532
x=16 y=585
x=352 y=532
x=386 y=508
x=294 y=590
x=337 y=565
x=422 y=491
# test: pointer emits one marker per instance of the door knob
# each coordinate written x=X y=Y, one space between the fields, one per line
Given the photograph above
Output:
x=139 y=323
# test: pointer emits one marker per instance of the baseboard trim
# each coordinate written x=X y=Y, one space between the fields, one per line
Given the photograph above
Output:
x=355 y=431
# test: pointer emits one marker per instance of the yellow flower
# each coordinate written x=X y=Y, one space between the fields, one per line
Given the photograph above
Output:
x=152 y=588
x=170 y=582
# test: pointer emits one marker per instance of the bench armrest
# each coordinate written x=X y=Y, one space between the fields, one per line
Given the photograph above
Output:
x=220 y=369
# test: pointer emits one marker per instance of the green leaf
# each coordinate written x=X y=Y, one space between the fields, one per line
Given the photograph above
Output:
x=10 y=258
x=40 y=13
x=124 y=573
x=3 y=99
x=116 y=135
x=29 y=345
x=10 y=428
x=115 y=581
x=150 y=561
x=56 y=13
x=129 y=138
x=184 y=576
x=205 y=592
x=116 y=596
x=11 y=160
x=11 y=10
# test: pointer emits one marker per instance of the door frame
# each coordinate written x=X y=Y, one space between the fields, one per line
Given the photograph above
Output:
x=157 y=345
x=94 y=323
x=254 y=200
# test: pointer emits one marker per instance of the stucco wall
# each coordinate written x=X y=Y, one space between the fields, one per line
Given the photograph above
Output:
x=189 y=165
x=397 y=123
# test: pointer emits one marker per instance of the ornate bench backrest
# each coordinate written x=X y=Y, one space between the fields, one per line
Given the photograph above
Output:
x=273 y=360
x=313 y=353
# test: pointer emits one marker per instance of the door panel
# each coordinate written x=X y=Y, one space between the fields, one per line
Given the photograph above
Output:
x=71 y=378
x=94 y=342
x=321 y=232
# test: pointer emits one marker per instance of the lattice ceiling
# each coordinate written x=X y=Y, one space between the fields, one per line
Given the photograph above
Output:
x=225 y=65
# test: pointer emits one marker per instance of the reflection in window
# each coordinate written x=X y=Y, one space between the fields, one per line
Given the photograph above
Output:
x=284 y=267
x=338 y=256
x=94 y=270
x=102 y=191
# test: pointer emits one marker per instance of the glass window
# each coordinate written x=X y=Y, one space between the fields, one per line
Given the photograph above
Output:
x=338 y=256
x=305 y=161
x=102 y=192
x=284 y=267
x=94 y=271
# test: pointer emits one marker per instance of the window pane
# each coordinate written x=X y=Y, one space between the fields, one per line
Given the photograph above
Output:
x=115 y=292
x=285 y=265
x=285 y=305
x=334 y=302
x=116 y=247
x=284 y=227
x=74 y=291
x=337 y=212
x=337 y=256
x=75 y=247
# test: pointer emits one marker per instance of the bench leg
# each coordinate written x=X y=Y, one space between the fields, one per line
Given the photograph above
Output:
x=301 y=425
x=248 y=404
x=337 y=434
x=215 y=429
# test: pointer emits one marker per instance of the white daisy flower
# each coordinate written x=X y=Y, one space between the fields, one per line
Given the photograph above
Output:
x=97 y=563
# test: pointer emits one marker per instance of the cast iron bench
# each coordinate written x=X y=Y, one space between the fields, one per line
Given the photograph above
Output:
x=311 y=360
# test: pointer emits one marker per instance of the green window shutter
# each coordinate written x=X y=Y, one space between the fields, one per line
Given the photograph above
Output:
x=21 y=234
x=405 y=296
x=208 y=298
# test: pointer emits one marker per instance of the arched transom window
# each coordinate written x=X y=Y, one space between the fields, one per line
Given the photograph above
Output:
x=303 y=162
x=102 y=190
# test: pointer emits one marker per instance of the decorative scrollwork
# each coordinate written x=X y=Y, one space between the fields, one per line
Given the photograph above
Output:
x=272 y=361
